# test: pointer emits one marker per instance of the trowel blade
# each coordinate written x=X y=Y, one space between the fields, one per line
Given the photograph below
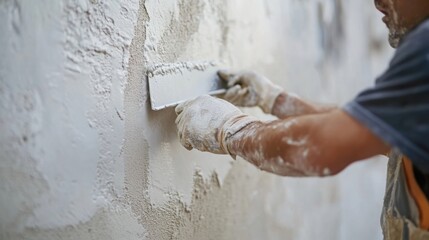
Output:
x=171 y=84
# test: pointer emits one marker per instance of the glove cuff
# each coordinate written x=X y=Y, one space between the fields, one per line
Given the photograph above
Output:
x=231 y=127
x=269 y=98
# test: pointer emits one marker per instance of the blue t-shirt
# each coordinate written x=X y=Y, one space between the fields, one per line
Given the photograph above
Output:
x=396 y=109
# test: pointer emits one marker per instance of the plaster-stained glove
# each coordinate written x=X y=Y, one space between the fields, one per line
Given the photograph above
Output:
x=248 y=89
x=206 y=123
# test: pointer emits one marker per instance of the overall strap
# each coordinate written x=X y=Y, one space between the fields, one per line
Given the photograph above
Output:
x=417 y=194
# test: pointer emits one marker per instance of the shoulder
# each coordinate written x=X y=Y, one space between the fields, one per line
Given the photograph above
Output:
x=421 y=32
x=417 y=41
x=412 y=55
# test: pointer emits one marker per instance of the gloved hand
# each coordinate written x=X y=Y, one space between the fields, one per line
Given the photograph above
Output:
x=248 y=89
x=206 y=123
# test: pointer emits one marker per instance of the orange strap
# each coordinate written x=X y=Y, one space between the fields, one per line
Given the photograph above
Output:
x=417 y=194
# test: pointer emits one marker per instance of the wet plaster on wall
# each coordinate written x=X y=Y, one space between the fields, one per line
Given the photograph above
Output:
x=167 y=187
x=169 y=31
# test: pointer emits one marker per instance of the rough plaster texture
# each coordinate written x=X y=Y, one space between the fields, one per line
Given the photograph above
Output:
x=84 y=157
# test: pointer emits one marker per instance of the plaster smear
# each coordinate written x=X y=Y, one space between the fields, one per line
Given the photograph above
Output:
x=176 y=68
x=175 y=24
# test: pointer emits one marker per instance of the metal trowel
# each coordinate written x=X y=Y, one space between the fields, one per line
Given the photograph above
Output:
x=172 y=84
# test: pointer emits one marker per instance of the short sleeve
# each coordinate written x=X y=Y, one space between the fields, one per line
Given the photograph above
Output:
x=396 y=109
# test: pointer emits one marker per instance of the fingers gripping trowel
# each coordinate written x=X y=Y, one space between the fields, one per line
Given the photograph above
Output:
x=171 y=84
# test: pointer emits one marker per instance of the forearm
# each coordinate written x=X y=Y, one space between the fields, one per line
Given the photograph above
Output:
x=308 y=145
x=280 y=147
x=288 y=105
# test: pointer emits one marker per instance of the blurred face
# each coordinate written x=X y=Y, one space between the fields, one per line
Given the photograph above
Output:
x=401 y=16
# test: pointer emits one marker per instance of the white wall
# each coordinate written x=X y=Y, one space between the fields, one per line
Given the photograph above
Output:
x=84 y=157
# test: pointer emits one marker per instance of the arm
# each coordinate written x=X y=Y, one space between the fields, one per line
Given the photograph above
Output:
x=249 y=89
x=287 y=105
x=319 y=144
x=310 y=145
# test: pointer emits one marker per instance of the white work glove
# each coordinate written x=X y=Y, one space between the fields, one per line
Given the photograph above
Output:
x=206 y=123
x=248 y=89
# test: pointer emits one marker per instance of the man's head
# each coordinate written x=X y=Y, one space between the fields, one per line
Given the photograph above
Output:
x=401 y=16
